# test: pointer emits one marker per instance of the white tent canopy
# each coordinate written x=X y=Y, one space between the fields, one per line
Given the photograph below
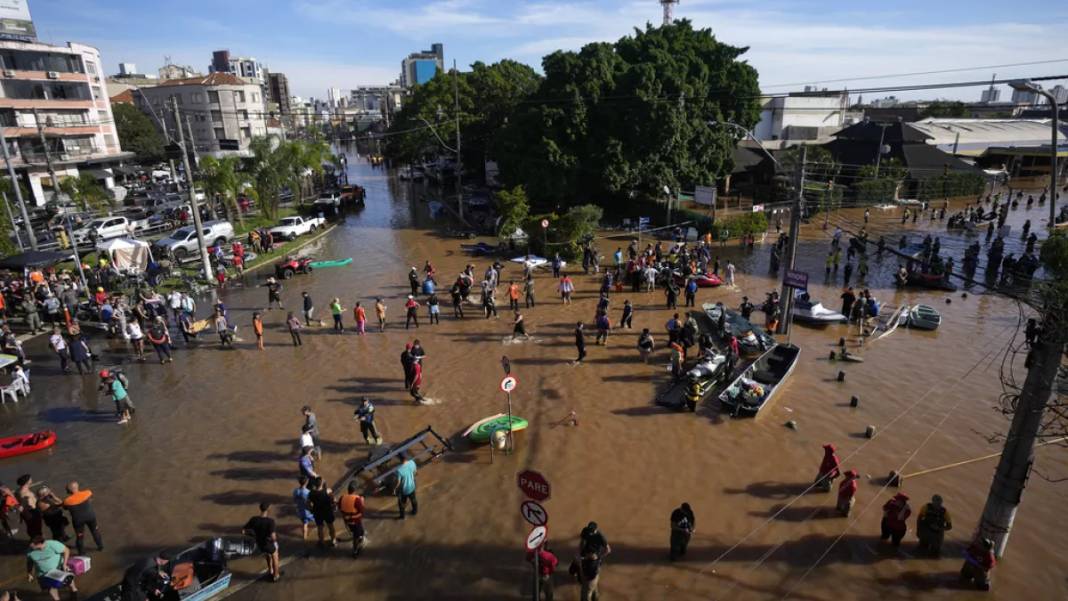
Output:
x=126 y=254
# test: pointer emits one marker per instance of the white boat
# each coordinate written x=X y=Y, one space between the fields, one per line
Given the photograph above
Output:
x=814 y=313
x=535 y=261
x=924 y=317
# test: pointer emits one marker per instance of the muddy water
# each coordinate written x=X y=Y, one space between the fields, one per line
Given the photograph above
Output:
x=216 y=433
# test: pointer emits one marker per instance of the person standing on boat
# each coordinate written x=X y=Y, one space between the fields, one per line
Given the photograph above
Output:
x=262 y=529
x=847 y=491
x=829 y=468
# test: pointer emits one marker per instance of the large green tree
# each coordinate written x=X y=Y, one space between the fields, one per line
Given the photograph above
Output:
x=623 y=119
x=276 y=164
x=137 y=133
x=85 y=191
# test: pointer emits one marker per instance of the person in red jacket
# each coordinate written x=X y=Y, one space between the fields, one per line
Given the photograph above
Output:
x=896 y=512
x=847 y=490
x=978 y=561
x=547 y=562
x=829 y=468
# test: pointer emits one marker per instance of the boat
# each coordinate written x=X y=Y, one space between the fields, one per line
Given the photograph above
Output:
x=752 y=339
x=888 y=327
x=808 y=311
x=933 y=281
x=331 y=263
x=709 y=374
x=704 y=280
x=924 y=317
x=481 y=431
x=757 y=385
x=535 y=261
x=479 y=249
x=13 y=446
x=201 y=571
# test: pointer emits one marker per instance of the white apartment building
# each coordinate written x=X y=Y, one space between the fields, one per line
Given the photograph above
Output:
x=805 y=117
x=67 y=88
x=220 y=111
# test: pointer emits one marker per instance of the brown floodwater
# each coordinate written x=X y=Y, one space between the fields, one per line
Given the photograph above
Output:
x=216 y=431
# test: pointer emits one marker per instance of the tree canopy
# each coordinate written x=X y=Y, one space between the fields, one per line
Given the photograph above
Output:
x=137 y=134
x=631 y=117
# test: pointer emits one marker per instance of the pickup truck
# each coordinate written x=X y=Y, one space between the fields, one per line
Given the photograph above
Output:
x=291 y=227
x=106 y=228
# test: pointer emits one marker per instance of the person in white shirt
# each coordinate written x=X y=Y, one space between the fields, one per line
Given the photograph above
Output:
x=137 y=338
x=174 y=300
x=59 y=345
x=306 y=439
x=188 y=304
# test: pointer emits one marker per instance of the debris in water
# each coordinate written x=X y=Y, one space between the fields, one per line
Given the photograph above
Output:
x=791 y=424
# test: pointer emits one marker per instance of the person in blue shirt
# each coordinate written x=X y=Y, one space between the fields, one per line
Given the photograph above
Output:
x=405 y=488
x=307 y=464
x=300 y=499
x=691 y=292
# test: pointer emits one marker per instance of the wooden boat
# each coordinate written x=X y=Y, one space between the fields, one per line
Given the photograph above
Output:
x=755 y=387
x=13 y=446
x=201 y=569
x=924 y=317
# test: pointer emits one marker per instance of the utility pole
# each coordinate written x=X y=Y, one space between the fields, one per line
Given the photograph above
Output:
x=18 y=192
x=192 y=193
x=459 y=156
x=48 y=157
x=11 y=218
x=1014 y=467
x=786 y=296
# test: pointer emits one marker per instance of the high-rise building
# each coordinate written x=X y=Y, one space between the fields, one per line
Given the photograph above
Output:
x=247 y=68
x=990 y=95
x=278 y=93
x=171 y=71
x=335 y=98
x=1060 y=93
x=420 y=67
x=58 y=92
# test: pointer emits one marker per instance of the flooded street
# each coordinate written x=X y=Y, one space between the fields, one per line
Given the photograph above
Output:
x=216 y=433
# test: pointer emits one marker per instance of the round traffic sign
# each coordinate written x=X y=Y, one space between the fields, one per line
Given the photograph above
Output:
x=508 y=384
x=536 y=537
x=544 y=223
x=534 y=513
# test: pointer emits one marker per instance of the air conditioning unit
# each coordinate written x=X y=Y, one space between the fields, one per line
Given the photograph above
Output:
x=53 y=75
x=9 y=73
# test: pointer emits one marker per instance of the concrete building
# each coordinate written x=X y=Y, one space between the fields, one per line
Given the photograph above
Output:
x=278 y=93
x=990 y=95
x=170 y=71
x=1060 y=94
x=420 y=67
x=247 y=68
x=803 y=117
x=66 y=87
x=1024 y=97
x=334 y=98
x=224 y=111
x=384 y=99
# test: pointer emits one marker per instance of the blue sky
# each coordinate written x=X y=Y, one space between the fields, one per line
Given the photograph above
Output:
x=345 y=43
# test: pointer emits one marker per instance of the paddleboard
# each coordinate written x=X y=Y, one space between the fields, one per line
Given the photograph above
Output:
x=333 y=263
x=481 y=431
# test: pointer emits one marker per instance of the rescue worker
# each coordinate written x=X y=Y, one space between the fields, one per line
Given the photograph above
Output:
x=847 y=491
x=931 y=526
x=896 y=513
x=829 y=468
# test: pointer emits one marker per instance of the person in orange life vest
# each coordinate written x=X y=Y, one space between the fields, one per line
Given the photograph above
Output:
x=257 y=327
x=847 y=490
x=82 y=516
x=978 y=561
x=896 y=512
x=351 y=507
x=829 y=468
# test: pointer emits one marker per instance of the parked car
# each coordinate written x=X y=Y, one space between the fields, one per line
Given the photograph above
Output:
x=182 y=242
x=291 y=227
x=104 y=228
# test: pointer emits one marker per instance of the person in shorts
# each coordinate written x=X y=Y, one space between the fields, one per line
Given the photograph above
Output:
x=43 y=557
x=261 y=528
x=300 y=499
x=321 y=504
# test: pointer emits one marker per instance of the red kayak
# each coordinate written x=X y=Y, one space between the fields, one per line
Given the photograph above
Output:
x=26 y=443
x=704 y=280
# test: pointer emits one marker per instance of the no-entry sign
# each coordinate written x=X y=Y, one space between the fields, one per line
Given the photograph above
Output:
x=533 y=485
x=544 y=223
x=534 y=513
x=536 y=537
x=508 y=384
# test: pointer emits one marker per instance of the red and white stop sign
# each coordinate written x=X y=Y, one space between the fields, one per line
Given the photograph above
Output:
x=533 y=485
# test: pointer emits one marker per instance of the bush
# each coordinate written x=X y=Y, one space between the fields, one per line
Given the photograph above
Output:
x=950 y=185
x=566 y=232
x=740 y=225
x=875 y=190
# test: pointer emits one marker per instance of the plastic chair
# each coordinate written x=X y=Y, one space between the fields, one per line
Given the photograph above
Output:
x=11 y=390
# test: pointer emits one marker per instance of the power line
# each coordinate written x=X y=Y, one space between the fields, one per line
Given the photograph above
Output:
x=918 y=73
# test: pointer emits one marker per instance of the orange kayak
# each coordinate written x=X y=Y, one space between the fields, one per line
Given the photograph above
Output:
x=26 y=443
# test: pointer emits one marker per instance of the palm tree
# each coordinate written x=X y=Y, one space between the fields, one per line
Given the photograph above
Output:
x=221 y=178
x=306 y=160
x=269 y=169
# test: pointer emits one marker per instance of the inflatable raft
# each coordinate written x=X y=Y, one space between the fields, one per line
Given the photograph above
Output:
x=13 y=446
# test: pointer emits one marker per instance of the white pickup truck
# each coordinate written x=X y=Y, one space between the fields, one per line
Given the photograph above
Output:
x=291 y=227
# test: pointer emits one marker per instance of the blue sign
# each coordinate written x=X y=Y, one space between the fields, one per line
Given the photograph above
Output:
x=796 y=279
x=643 y=222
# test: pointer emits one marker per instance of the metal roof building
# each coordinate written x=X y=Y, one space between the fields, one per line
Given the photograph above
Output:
x=972 y=137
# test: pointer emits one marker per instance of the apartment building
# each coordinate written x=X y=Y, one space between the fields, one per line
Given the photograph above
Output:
x=221 y=112
x=66 y=88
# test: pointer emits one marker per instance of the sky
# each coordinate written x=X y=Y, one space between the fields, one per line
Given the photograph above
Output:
x=346 y=43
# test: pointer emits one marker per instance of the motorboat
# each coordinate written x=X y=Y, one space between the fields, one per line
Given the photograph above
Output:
x=924 y=317
x=752 y=339
x=810 y=312
x=932 y=281
x=534 y=261
x=755 y=387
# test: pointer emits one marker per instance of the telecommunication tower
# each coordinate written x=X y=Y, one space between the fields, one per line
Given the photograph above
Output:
x=669 y=10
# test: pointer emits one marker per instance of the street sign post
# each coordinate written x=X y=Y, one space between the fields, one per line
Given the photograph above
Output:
x=534 y=513
x=536 y=537
x=533 y=485
x=796 y=279
x=508 y=384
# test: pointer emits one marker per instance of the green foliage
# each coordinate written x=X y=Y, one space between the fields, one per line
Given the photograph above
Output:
x=7 y=227
x=488 y=96
x=945 y=109
x=891 y=168
x=85 y=191
x=276 y=164
x=514 y=209
x=633 y=116
x=221 y=178
x=567 y=232
x=1054 y=255
x=953 y=184
x=872 y=191
x=740 y=225
x=137 y=133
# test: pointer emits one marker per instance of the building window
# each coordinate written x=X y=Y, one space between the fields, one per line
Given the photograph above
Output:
x=90 y=68
x=98 y=93
x=220 y=133
x=246 y=132
x=239 y=96
x=255 y=97
x=213 y=96
x=102 y=116
x=243 y=115
x=109 y=140
x=216 y=116
x=198 y=98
